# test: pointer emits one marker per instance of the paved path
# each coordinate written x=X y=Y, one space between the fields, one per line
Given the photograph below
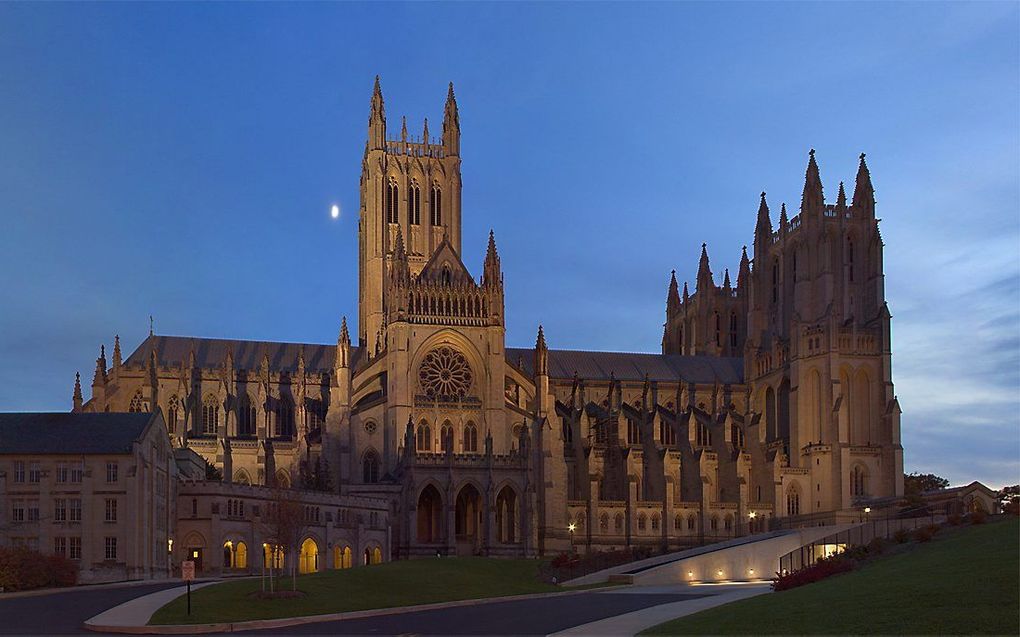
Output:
x=138 y=611
x=62 y=612
x=636 y=621
x=537 y=616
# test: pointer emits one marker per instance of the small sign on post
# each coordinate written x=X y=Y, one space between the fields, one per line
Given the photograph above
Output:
x=188 y=574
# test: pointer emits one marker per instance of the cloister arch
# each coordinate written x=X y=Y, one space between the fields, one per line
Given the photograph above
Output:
x=507 y=517
x=429 y=515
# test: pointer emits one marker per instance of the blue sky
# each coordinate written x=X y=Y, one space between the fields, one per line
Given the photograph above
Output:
x=179 y=160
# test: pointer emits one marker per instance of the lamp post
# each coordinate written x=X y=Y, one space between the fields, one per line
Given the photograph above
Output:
x=571 y=527
x=867 y=518
x=750 y=521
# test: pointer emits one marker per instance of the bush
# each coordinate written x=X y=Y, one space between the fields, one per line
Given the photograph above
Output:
x=876 y=546
x=955 y=519
x=22 y=569
x=978 y=517
x=826 y=567
x=923 y=534
x=902 y=536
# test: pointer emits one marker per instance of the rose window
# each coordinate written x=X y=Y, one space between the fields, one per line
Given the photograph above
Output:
x=445 y=373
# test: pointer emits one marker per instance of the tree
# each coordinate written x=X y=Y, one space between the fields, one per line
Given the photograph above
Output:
x=285 y=525
x=917 y=483
x=212 y=473
x=1009 y=499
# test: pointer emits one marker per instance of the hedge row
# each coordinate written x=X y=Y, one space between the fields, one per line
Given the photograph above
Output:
x=23 y=569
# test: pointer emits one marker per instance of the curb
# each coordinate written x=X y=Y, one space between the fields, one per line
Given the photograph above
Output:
x=189 y=629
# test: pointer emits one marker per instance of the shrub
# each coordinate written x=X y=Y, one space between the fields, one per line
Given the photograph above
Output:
x=561 y=560
x=23 y=569
x=876 y=546
x=901 y=536
x=821 y=569
x=923 y=534
x=955 y=519
x=978 y=517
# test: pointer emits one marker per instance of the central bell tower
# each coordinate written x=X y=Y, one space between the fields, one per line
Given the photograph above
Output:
x=410 y=187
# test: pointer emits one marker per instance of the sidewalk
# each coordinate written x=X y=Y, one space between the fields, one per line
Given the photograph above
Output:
x=138 y=611
x=633 y=623
x=93 y=587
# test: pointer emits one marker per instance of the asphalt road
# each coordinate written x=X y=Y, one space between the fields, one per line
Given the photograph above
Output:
x=538 y=616
x=63 y=612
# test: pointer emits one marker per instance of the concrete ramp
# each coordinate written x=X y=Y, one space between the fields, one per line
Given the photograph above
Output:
x=754 y=557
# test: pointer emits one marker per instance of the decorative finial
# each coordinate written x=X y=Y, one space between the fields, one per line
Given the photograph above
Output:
x=152 y=324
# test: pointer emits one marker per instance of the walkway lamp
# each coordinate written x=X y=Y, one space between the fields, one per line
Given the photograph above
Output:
x=750 y=521
x=571 y=527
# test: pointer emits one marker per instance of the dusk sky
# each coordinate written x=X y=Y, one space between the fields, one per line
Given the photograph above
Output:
x=180 y=160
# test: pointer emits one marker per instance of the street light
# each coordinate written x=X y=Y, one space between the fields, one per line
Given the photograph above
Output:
x=571 y=527
x=750 y=521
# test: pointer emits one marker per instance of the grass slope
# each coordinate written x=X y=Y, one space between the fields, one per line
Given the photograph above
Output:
x=401 y=583
x=966 y=581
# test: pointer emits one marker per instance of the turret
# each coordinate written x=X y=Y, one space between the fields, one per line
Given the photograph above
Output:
x=864 y=193
x=784 y=220
x=343 y=349
x=762 y=229
x=744 y=274
x=377 y=119
x=116 y=353
x=451 y=125
x=491 y=273
x=672 y=297
x=726 y=280
x=705 y=281
x=687 y=295
x=541 y=354
x=425 y=133
x=841 y=198
x=99 y=380
x=812 y=200
x=76 y=400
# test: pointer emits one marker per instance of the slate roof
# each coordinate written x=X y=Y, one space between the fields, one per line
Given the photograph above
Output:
x=172 y=351
x=633 y=367
x=71 y=433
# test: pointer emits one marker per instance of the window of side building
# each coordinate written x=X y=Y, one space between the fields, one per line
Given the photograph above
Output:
x=111 y=471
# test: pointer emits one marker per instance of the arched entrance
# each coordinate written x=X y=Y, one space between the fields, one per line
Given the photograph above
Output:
x=341 y=557
x=309 y=558
x=272 y=556
x=235 y=556
x=429 y=514
x=468 y=518
x=506 y=515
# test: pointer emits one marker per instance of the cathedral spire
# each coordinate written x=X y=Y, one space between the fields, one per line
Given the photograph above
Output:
x=451 y=124
x=343 y=346
x=672 y=296
x=726 y=279
x=100 y=376
x=784 y=221
x=491 y=273
x=841 y=197
x=116 y=352
x=744 y=274
x=541 y=354
x=704 y=271
x=763 y=228
x=77 y=400
x=425 y=133
x=686 y=295
x=864 y=192
x=812 y=200
x=403 y=129
x=377 y=119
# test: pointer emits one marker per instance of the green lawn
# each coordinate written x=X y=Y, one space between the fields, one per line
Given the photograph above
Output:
x=401 y=583
x=966 y=581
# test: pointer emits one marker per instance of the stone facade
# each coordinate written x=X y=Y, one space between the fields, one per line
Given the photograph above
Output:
x=107 y=503
x=772 y=398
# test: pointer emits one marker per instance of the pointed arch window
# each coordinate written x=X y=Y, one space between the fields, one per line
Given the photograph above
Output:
x=414 y=204
x=633 y=432
x=733 y=329
x=703 y=436
x=858 y=482
x=718 y=331
x=210 y=415
x=392 y=202
x=793 y=501
x=446 y=437
x=775 y=281
x=437 y=206
x=284 y=421
x=172 y=412
x=667 y=435
x=247 y=417
x=370 y=468
x=423 y=437
x=136 y=403
x=471 y=438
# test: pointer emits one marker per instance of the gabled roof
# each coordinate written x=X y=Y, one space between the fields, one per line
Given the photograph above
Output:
x=445 y=255
x=72 y=433
x=172 y=351
x=628 y=366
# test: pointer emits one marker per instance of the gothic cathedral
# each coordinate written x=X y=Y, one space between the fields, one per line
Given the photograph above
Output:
x=771 y=403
